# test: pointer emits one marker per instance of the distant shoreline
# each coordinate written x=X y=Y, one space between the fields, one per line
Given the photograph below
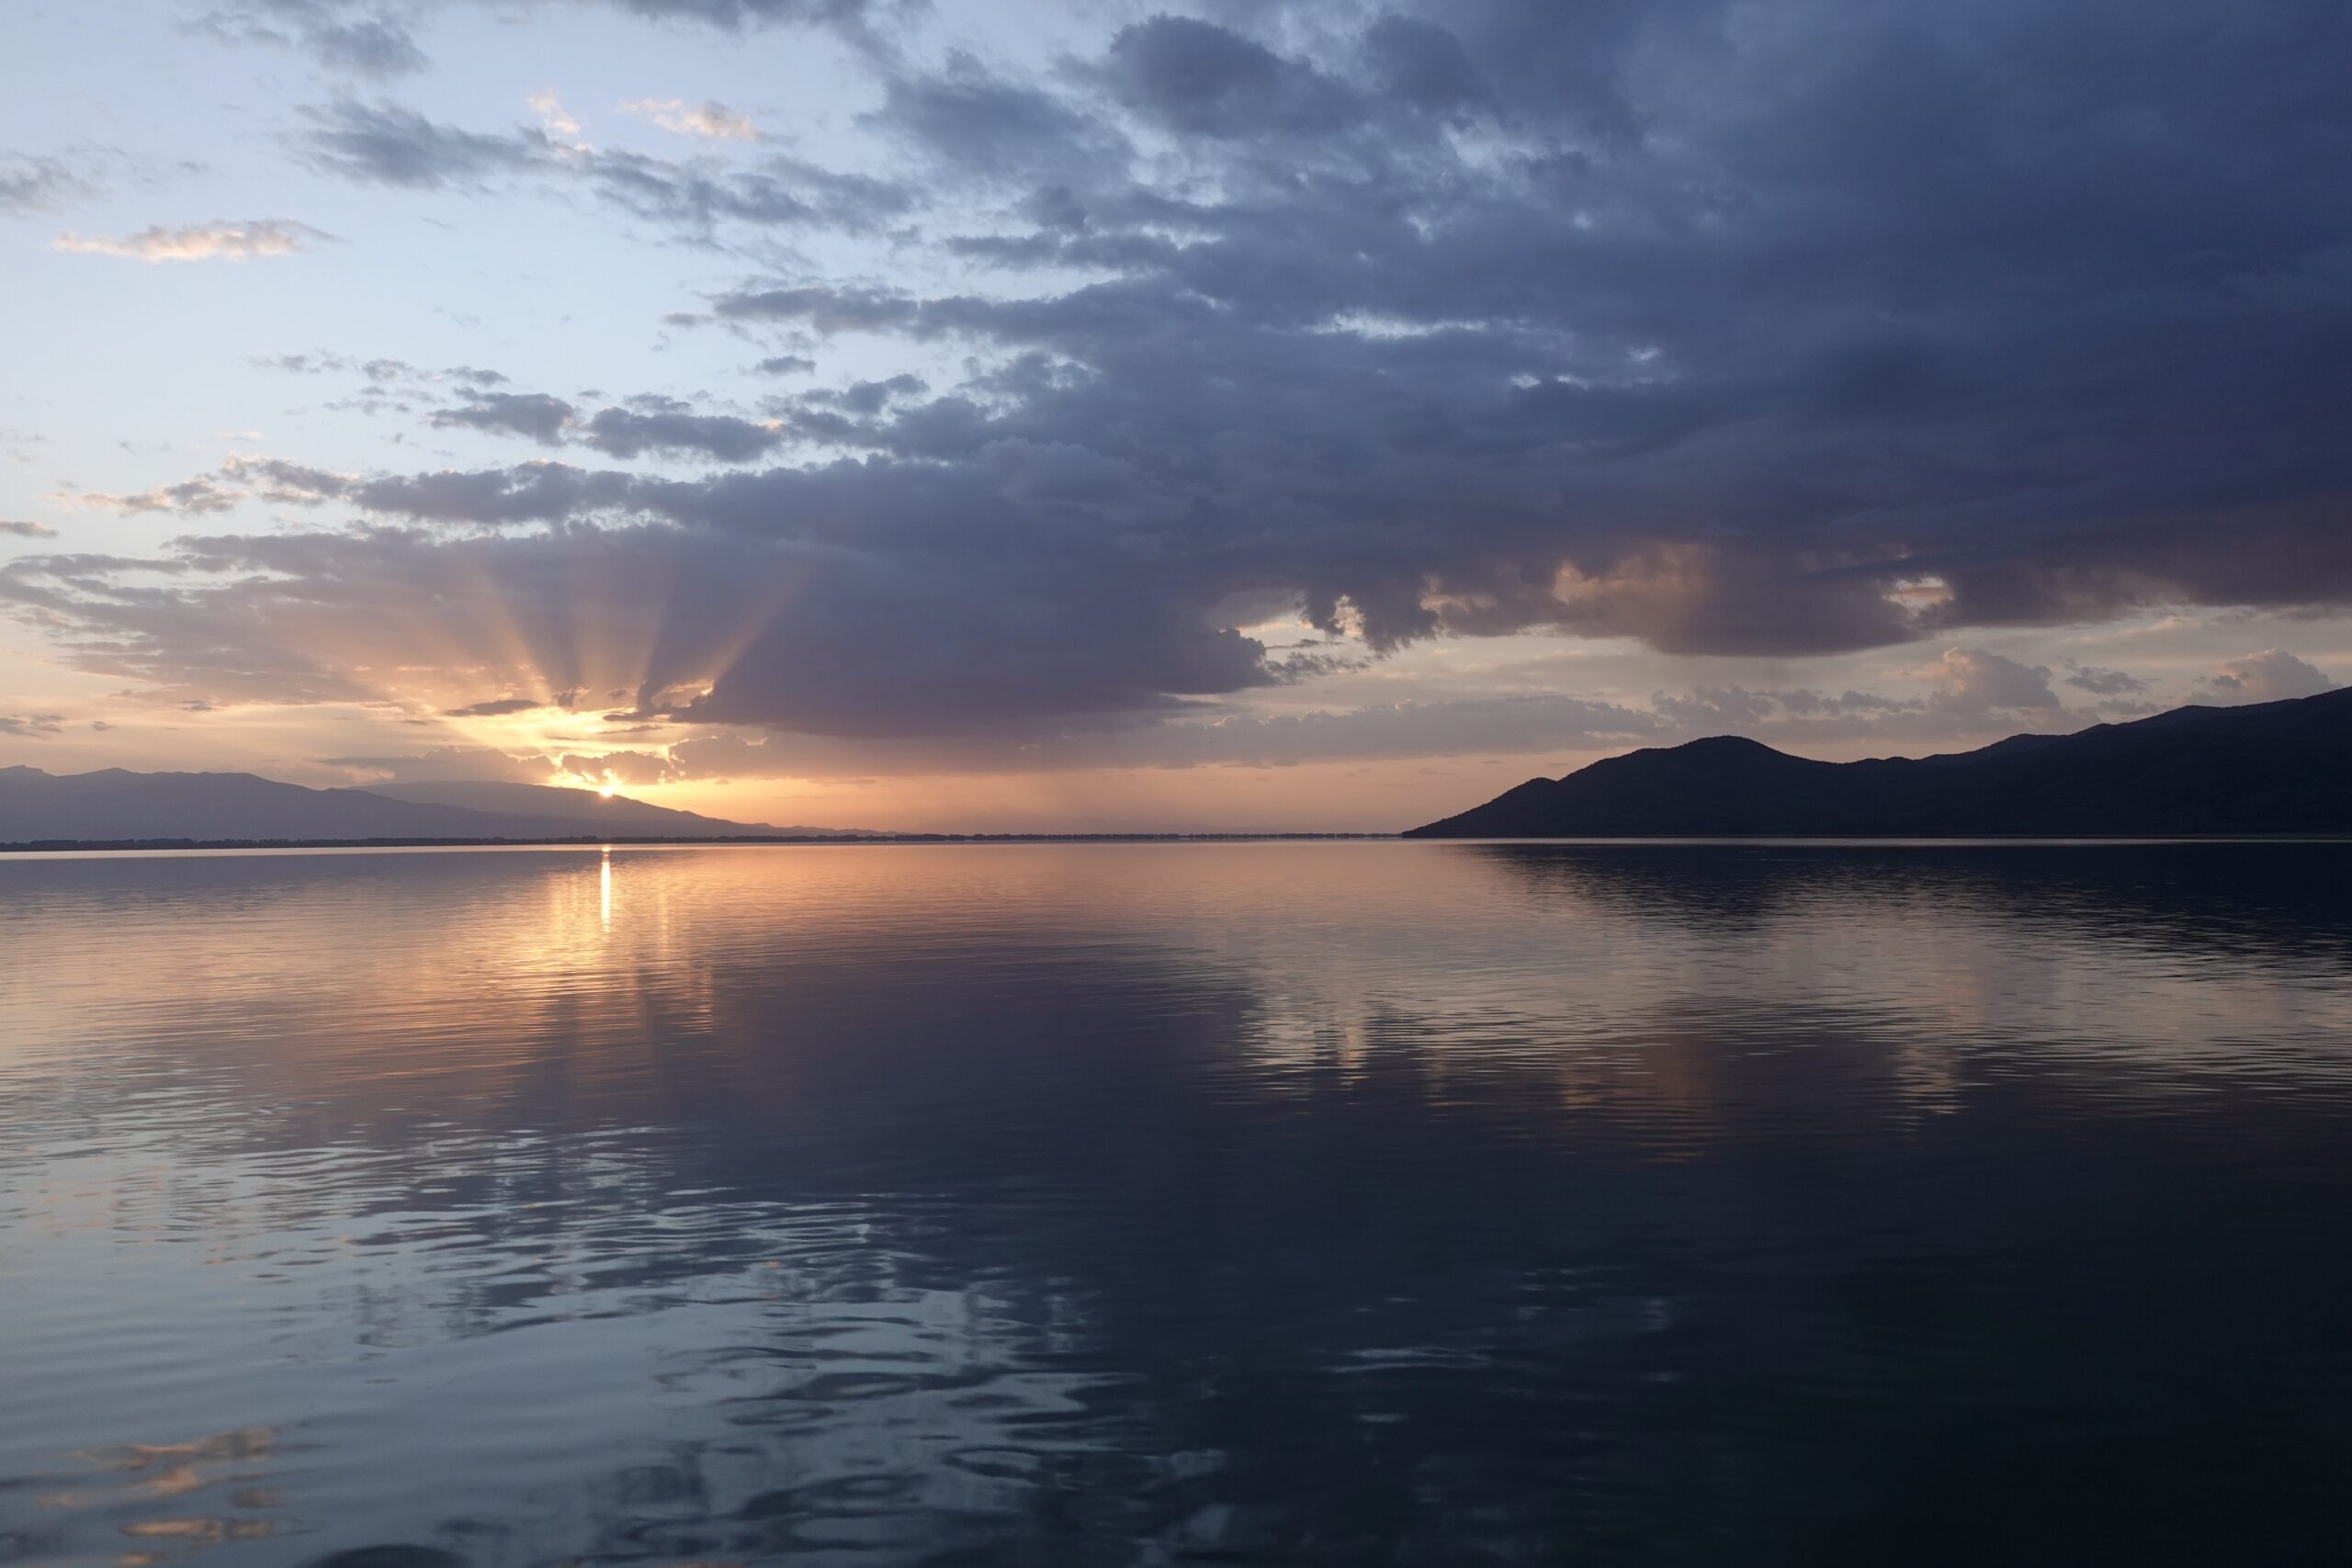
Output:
x=1629 y=840
x=595 y=840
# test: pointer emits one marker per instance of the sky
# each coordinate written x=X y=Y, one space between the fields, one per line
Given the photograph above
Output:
x=1099 y=416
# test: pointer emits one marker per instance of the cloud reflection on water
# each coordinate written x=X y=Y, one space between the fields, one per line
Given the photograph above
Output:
x=1298 y=1203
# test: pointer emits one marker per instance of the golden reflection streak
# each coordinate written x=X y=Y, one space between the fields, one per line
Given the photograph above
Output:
x=605 y=888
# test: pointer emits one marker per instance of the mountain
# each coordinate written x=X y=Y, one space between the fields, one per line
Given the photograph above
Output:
x=116 y=807
x=592 y=812
x=2273 y=768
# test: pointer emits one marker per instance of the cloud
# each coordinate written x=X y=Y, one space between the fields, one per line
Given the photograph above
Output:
x=1515 y=725
x=845 y=14
x=1782 y=332
x=445 y=765
x=30 y=183
x=1195 y=76
x=711 y=120
x=556 y=121
x=869 y=397
x=1973 y=680
x=825 y=308
x=626 y=432
x=390 y=144
x=32 y=726
x=650 y=424
x=219 y=240
x=837 y=601
x=535 y=416
x=2272 y=675
x=974 y=121
x=617 y=767
x=2106 y=683
x=1970 y=692
x=26 y=530
x=195 y=496
x=498 y=707
x=377 y=38
x=1419 y=62
x=356 y=36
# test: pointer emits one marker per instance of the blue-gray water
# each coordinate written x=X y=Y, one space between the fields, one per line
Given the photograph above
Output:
x=1311 y=1203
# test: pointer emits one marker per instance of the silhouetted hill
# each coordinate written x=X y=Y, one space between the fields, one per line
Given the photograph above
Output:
x=592 y=812
x=114 y=806
x=2274 y=768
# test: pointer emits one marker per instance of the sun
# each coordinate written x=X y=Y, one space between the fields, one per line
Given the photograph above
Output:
x=606 y=790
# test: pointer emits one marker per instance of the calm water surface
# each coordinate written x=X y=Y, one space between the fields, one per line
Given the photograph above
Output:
x=1115 y=1204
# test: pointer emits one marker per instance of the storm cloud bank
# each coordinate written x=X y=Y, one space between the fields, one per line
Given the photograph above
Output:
x=1732 y=329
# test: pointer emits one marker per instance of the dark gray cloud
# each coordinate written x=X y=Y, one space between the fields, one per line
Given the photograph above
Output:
x=362 y=37
x=535 y=416
x=632 y=433
x=2106 y=683
x=825 y=308
x=1775 y=332
x=1195 y=76
x=833 y=601
x=532 y=493
x=869 y=397
x=496 y=707
x=1418 y=62
x=650 y=424
x=851 y=13
x=32 y=726
x=390 y=144
x=969 y=118
x=52 y=181
x=30 y=183
x=378 y=37
x=1898 y=332
x=24 y=530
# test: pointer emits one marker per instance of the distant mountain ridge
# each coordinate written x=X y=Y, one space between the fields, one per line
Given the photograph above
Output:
x=113 y=805
x=2272 y=768
x=597 y=812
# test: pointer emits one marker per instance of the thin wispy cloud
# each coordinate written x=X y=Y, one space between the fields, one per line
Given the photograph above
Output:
x=366 y=38
x=217 y=240
x=711 y=121
x=391 y=145
x=30 y=183
x=562 y=129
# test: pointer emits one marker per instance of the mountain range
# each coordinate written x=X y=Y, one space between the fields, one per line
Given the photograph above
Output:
x=2271 y=768
x=116 y=807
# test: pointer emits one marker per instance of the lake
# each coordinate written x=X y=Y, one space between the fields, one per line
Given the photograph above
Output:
x=1164 y=1204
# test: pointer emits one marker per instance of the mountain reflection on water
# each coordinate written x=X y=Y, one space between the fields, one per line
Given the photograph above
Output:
x=1427 y=1203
